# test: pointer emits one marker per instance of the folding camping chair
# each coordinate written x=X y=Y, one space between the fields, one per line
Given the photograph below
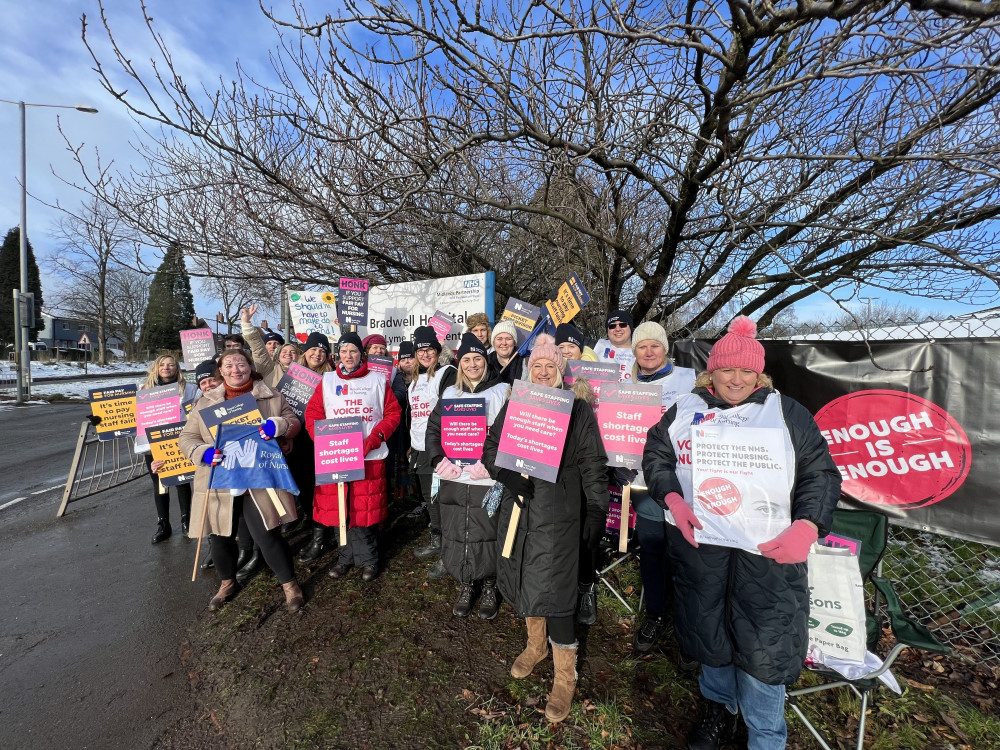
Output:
x=872 y=530
x=611 y=544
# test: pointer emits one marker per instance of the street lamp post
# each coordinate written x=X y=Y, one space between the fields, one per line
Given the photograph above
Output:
x=22 y=333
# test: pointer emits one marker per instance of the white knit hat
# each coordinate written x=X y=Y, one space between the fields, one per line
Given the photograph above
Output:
x=504 y=326
x=650 y=331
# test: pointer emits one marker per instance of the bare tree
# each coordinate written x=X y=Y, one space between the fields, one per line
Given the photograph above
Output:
x=706 y=159
x=93 y=243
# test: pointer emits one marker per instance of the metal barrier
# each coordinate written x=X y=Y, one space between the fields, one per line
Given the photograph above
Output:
x=99 y=465
x=952 y=586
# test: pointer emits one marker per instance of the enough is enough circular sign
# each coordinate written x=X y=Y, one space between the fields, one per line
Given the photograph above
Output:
x=894 y=448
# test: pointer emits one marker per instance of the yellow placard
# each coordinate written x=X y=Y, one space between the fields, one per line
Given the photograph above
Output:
x=564 y=307
x=164 y=447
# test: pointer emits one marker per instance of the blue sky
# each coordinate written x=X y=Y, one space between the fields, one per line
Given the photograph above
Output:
x=45 y=61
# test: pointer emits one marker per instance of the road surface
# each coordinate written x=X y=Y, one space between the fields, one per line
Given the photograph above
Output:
x=93 y=615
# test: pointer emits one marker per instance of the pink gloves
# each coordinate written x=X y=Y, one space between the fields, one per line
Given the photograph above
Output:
x=791 y=545
x=684 y=516
x=447 y=470
x=478 y=471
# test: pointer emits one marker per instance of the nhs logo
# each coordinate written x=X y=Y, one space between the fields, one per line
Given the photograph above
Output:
x=470 y=284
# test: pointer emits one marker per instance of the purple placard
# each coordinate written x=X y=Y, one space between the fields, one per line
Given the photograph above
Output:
x=381 y=364
x=463 y=429
x=197 y=345
x=523 y=315
x=352 y=302
x=534 y=430
x=340 y=451
x=297 y=385
x=442 y=323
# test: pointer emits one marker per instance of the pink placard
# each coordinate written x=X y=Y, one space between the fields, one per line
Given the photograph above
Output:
x=625 y=413
x=156 y=406
x=197 y=345
x=534 y=430
x=382 y=365
x=340 y=452
x=463 y=429
x=442 y=324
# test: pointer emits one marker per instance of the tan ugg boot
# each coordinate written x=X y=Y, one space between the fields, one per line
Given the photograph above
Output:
x=293 y=596
x=227 y=590
x=536 y=650
x=564 y=685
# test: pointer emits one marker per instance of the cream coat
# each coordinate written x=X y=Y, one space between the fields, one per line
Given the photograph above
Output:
x=195 y=439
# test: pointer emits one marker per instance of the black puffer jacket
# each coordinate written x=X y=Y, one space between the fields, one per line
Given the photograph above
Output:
x=469 y=535
x=736 y=607
x=540 y=577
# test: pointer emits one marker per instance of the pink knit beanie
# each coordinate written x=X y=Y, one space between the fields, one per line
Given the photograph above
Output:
x=546 y=351
x=738 y=348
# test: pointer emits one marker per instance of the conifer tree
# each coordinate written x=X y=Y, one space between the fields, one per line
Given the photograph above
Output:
x=10 y=279
x=171 y=304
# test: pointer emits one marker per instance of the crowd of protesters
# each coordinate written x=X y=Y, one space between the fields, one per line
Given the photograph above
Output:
x=739 y=614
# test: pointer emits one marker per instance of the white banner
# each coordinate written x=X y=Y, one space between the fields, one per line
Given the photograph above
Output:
x=395 y=310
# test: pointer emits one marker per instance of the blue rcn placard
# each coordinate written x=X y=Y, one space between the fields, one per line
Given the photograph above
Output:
x=250 y=462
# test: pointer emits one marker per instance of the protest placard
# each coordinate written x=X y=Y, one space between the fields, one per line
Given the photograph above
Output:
x=240 y=410
x=340 y=454
x=463 y=429
x=442 y=323
x=197 y=345
x=163 y=445
x=624 y=415
x=570 y=299
x=383 y=365
x=352 y=302
x=742 y=484
x=297 y=385
x=523 y=315
x=155 y=406
x=534 y=430
x=251 y=462
x=115 y=406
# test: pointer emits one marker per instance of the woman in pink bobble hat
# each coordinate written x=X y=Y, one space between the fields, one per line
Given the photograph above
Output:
x=741 y=600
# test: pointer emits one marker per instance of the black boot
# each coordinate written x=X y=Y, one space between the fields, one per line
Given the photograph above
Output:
x=185 y=524
x=244 y=557
x=586 y=608
x=315 y=549
x=431 y=549
x=715 y=725
x=163 y=531
x=489 y=601
x=252 y=568
x=651 y=630
x=463 y=605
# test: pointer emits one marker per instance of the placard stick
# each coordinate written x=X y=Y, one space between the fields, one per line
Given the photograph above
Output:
x=277 y=501
x=515 y=518
x=342 y=513
x=204 y=517
x=623 y=527
x=204 y=511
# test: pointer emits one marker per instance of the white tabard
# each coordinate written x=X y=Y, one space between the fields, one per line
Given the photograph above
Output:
x=357 y=397
x=619 y=355
x=423 y=395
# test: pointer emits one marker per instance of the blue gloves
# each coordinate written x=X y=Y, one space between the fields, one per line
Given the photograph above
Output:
x=212 y=457
x=268 y=429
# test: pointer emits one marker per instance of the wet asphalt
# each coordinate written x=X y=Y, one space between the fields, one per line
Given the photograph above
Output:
x=92 y=616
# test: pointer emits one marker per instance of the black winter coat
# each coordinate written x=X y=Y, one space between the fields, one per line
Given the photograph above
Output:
x=733 y=606
x=469 y=535
x=540 y=577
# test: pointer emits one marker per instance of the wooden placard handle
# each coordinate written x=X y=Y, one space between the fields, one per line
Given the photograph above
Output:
x=342 y=512
x=623 y=525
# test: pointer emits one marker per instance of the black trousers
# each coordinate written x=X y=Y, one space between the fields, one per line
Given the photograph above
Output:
x=654 y=565
x=272 y=546
x=561 y=630
x=162 y=499
x=361 y=549
x=302 y=465
x=425 y=481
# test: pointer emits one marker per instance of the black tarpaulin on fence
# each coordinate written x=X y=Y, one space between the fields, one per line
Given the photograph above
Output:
x=915 y=433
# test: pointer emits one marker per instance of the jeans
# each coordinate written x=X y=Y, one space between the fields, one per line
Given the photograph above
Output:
x=762 y=705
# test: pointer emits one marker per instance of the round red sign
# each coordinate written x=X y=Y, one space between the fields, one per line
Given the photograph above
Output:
x=894 y=448
x=719 y=496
